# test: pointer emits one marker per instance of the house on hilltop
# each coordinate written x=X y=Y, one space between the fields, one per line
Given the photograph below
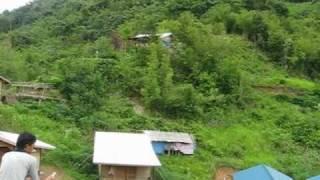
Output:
x=10 y=92
x=144 y=39
x=30 y=89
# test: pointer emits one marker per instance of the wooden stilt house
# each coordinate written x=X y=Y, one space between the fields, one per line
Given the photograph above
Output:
x=124 y=156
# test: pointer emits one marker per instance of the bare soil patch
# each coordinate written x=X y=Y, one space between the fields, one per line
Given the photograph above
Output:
x=48 y=170
x=224 y=173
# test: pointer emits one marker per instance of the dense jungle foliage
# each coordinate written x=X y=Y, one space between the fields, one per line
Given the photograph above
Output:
x=241 y=75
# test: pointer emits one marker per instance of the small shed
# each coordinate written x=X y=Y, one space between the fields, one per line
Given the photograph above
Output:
x=314 y=178
x=124 y=156
x=143 y=39
x=171 y=142
x=261 y=172
x=8 y=142
x=4 y=86
x=39 y=89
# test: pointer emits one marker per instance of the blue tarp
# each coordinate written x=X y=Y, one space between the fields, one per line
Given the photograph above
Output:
x=261 y=172
x=314 y=178
x=159 y=147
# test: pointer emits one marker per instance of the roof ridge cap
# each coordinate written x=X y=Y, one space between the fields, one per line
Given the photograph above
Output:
x=268 y=172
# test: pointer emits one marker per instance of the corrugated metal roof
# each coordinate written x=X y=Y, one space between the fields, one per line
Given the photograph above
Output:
x=164 y=35
x=169 y=136
x=143 y=36
x=11 y=138
x=261 y=172
x=314 y=178
x=124 y=149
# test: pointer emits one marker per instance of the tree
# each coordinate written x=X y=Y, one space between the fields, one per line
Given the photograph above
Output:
x=255 y=4
x=257 y=30
x=280 y=8
x=151 y=90
x=280 y=49
x=83 y=86
x=165 y=72
x=158 y=79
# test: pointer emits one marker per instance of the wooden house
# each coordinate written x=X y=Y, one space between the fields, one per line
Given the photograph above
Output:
x=36 y=91
x=171 y=142
x=124 y=156
x=30 y=88
x=10 y=92
x=8 y=142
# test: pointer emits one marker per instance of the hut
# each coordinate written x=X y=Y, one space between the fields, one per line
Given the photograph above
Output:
x=261 y=172
x=124 y=156
x=314 y=178
x=171 y=142
x=144 y=39
x=4 y=86
x=35 y=91
x=32 y=89
x=8 y=142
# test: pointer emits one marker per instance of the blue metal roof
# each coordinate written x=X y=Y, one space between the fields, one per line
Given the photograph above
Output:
x=314 y=178
x=260 y=172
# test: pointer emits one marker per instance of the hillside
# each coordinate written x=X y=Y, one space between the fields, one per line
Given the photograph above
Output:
x=241 y=75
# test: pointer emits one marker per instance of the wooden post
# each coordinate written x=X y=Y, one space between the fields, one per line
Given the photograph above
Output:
x=42 y=95
x=100 y=172
x=1 y=91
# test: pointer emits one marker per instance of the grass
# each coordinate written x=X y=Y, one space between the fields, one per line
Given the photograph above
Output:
x=291 y=82
x=303 y=8
x=249 y=136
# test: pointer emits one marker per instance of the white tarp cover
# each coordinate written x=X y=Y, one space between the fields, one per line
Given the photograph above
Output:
x=124 y=149
x=11 y=138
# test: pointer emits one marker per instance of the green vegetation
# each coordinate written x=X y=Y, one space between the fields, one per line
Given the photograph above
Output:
x=241 y=75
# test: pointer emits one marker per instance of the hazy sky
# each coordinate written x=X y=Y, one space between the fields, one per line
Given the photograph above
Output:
x=11 y=4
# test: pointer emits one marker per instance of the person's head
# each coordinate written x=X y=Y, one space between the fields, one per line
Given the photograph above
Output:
x=26 y=142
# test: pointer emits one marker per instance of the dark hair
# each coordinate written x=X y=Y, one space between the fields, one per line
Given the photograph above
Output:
x=24 y=139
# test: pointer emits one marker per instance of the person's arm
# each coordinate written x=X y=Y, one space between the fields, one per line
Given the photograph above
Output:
x=33 y=171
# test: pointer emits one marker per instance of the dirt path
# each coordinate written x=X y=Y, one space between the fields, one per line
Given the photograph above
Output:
x=137 y=106
x=224 y=173
x=47 y=170
x=279 y=90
